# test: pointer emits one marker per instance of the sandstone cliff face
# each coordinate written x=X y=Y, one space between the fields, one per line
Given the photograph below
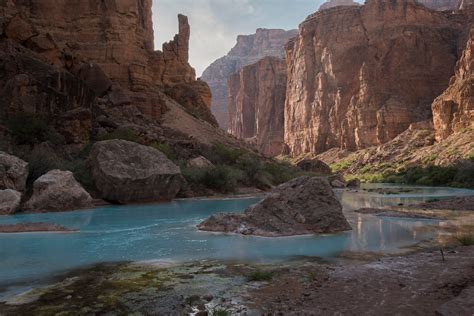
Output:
x=60 y=57
x=336 y=3
x=248 y=50
x=453 y=111
x=256 y=104
x=359 y=76
x=443 y=5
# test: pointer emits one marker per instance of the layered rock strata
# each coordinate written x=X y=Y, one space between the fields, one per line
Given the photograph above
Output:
x=256 y=104
x=69 y=54
x=248 y=50
x=359 y=76
x=337 y=3
x=453 y=111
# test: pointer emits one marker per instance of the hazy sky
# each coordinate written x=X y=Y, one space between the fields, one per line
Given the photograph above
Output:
x=215 y=24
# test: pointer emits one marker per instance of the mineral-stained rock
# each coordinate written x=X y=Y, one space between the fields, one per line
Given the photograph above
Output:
x=337 y=3
x=9 y=201
x=57 y=191
x=248 y=50
x=314 y=165
x=365 y=87
x=126 y=172
x=305 y=205
x=453 y=111
x=256 y=104
x=13 y=172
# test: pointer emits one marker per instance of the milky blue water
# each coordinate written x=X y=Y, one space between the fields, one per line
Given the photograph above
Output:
x=168 y=231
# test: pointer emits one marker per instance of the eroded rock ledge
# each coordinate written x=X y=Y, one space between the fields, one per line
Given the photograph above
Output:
x=302 y=206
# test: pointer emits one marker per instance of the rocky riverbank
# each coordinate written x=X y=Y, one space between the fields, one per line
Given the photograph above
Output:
x=416 y=283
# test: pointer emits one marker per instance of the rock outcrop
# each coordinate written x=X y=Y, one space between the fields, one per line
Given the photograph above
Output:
x=57 y=191
x=453 y=111
x=256 y=104
x=337 y=3
x=358 y=76
x=13 y=172
x=248 y=50
x=9 y=201
x=127 y=172
x=314 y=165
x=59 y=57
x=444 y=5
x=305 y=205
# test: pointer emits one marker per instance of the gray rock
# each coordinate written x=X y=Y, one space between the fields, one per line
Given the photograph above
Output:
x=354 y=183
x=337 y=181
x=200 y=162
x=305 y=205
x=314 y=165
x=13 y=172
x=57 y=191
x=9 y=201
x=127 y=172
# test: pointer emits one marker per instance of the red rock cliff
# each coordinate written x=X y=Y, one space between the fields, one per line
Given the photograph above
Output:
x=453 y=111
x=359 y=76
x=256 y=104
x=248 y=50
x=108 y=44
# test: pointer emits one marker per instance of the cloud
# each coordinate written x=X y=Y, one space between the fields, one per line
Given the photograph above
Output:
x=215 y=24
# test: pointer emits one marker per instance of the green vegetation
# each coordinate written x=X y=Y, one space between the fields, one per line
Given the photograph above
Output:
x=31 y=128
x=123 y=134
x=165 y=149
x=465 y=239
x=220 y=311
x=41 y=161
x=234 y=167
x=341 y=165
x=260 y=276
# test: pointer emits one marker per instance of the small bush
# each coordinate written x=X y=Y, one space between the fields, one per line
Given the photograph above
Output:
x=28 y=128
x=220 y=311
x=260 y=276
x=222 y=179
x=465 y=239
x=123 y=134
x=165 y=149
x=40 y=162
x=281 y=172
x=226 y=155
x=81 y=172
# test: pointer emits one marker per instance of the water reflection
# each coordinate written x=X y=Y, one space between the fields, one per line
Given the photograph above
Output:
x=168 y=231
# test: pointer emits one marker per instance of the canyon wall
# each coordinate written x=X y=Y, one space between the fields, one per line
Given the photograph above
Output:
x=359 y=76
x=336 y=3
x=453 y=111
x=256 y=104
x=109 y=45
x=248 y=50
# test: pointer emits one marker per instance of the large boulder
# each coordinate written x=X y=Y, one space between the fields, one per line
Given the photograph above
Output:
x=314 y=165
x=306 y=205
x=127 y=172
x=9 y=201
x=57 y=191
x=13 y=172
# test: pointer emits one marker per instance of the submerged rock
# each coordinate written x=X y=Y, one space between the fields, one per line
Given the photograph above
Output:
x=33 y=227
x=58 y=191
x=306 y=205
x=9 y=201
x=127 y=172
x=13 y=172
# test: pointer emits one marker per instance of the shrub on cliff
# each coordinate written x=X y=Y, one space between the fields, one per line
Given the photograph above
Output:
x=31 y=128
